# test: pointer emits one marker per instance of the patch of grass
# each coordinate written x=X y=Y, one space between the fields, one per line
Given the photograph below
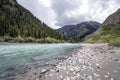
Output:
x=1 y=39
x=7 y=39
x=18 y=39
x=30 y=39
x=109 y=34
x=116 y=44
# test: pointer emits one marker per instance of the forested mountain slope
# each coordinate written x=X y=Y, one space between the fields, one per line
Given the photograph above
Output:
x=16 y=21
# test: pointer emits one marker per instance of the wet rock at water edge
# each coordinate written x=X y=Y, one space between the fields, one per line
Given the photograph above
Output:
x=10 y=69
x=10 y=74
x=11 y=79
x=23 y=72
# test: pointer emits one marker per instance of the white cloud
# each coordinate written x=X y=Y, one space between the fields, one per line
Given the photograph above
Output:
x=56 y=13
x=41 y=9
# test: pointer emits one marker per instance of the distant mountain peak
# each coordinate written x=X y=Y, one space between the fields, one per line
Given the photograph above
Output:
x=80 y=30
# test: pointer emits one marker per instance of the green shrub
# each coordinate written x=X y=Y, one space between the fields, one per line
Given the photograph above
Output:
x=40 y=40
x=7 y=38
x=1 y=39
x=19 y=39
x=50 y=40
x=30 y=39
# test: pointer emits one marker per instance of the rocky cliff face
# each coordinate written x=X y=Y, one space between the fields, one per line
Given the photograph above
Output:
x=113 y=18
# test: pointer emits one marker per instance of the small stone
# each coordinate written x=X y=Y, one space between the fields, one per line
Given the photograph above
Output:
x=111 y=79
x=36 y=79
x=106 y=76
x=43 y=71
x=116 y=60
x=67 y=78
x=57 y=70
x=61 y=76
x=78 y=74
x=71 y=69
x=72 y=78
x=35 y=73
x=96 y=75
x=50 y=74
x=90 y=77
x=108 y=73
x=40 y=76
x=85 y=75
x=98 y=66
x=67 y=72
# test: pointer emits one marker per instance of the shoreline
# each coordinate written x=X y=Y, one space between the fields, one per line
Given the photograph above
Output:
x=5 y=43
x=33 y=68
x=89 y=62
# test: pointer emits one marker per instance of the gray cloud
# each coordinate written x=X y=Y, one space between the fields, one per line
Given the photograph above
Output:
x=40 y=10
x=62 y=6
x=65 y=20
x=76 y=11
x=57 y=13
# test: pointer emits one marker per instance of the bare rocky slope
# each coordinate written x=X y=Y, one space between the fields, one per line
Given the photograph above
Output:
x=113 y=18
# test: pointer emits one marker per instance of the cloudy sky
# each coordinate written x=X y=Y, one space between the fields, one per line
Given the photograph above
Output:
x=57 y=13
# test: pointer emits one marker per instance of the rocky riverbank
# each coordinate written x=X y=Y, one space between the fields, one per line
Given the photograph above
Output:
x=90 y=62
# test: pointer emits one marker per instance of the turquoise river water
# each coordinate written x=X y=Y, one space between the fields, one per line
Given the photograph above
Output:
x=13 y=55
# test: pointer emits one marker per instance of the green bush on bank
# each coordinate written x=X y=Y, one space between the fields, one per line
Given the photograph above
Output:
x=115 y=42
x=7 y=39
x=20 y=39
x=30 y=39
x=1 y=39
x=40 y=40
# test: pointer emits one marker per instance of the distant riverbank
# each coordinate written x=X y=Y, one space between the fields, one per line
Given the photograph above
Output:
x=20 y=39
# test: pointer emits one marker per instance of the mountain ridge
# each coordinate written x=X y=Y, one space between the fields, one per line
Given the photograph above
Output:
x=79 y=31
